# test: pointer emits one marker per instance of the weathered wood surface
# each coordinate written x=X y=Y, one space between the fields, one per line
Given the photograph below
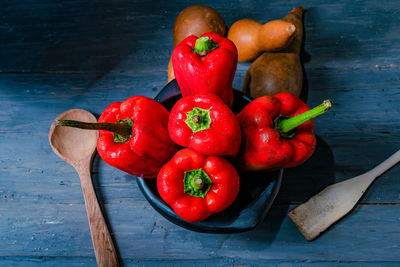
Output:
x=58 y=55
x=71 y=36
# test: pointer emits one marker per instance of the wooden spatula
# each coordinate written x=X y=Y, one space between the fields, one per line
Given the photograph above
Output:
x=331 y=204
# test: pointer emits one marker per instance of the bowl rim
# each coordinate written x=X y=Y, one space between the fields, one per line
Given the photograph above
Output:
x=244 y=220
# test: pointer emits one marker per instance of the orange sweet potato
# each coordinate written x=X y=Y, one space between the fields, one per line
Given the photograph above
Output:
x=282 y=71
x=252 y=37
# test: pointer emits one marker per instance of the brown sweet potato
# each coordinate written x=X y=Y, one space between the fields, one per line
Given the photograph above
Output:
x=196 y=20
x=272 y=73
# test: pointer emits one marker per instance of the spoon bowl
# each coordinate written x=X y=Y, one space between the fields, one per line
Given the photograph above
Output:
x=73 y=145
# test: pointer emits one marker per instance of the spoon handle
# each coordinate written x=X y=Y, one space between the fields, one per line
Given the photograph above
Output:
x=103 y=245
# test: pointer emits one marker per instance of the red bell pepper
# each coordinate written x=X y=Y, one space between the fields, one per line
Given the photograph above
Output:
x=196 y=186
x=205 y=65
x=206 y=124
x=133 y=136
x=277 y=132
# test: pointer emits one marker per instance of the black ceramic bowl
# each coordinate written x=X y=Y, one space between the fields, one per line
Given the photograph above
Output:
x=257 y=189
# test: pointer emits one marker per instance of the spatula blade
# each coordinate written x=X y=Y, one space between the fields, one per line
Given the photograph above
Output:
x=331 y=204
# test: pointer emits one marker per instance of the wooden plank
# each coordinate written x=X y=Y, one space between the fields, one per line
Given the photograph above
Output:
x=89 y=54
x=18 y=261
x=85 y=261
x=103 y=36
x=42 y=206
x=370 y=233
x=345 y=146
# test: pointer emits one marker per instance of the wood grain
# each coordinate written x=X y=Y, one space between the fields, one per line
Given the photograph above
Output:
x=103 y=36
x=142 y=233
x=58 y=55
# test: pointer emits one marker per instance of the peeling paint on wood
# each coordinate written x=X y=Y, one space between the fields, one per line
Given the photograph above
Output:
x=58 y=55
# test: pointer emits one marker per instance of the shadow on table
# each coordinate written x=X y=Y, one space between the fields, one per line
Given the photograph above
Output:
x=299 y=184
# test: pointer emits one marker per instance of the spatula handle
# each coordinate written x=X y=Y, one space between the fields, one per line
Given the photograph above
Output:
x=103 y=245
x=385 y=165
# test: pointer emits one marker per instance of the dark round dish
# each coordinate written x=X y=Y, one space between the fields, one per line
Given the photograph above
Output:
x=256 y=195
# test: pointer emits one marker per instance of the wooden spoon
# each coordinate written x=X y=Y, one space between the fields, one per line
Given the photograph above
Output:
x=335 y=201
x=78 y=147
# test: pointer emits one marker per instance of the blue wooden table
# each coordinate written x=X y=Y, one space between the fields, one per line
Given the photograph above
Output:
x=58 y=55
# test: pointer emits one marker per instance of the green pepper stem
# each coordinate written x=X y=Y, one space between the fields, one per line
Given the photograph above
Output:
x=122 y=129
x=287 y=124
x=198 y=183
x=203 y=45
x=198 y=119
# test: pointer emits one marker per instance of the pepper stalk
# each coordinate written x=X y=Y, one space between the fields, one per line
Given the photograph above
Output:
x=287 y=124
x=204 y=45
x=122 y=129
x=197 y=183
